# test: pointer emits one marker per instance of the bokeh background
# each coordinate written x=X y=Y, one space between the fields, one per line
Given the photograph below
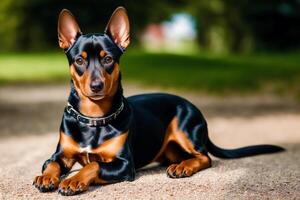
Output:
x=217 y=46
x=228 y=57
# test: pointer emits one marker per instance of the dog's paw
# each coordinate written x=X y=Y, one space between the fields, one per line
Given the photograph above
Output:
x=72 y=186
x=179 y=171
x=46 y=183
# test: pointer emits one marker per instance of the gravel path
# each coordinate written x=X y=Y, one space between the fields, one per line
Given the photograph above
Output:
x=30 y=117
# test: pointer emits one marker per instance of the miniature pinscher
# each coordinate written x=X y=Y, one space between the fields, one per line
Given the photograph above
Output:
x=112 y=136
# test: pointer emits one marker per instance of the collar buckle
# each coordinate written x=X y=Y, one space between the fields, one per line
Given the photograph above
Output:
x=94 y=123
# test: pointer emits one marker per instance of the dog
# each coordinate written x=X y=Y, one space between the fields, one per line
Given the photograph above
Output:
x=112 y=136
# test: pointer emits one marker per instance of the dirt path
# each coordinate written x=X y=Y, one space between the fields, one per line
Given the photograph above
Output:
x=30 y=117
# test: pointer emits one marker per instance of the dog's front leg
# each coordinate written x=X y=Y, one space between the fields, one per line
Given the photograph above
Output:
x=80 y=181
x=49 y=180
x=120 y=169
x=52 y=170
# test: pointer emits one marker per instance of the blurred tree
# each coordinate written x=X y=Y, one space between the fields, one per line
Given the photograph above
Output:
x=275 y=24
x=223 y=25
x=37 y=20
x=9 y=21
x=239 y=26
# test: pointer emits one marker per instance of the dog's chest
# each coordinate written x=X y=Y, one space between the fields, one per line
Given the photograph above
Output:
x=93 y=148
x=87 y=149
x=86 y=155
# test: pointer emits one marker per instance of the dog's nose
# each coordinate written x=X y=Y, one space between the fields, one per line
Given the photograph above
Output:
x=96 y=86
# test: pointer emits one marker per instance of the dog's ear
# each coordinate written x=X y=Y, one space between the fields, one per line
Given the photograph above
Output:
x=68 y=29
x=118 y=27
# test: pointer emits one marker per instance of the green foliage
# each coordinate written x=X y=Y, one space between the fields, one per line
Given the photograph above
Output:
x=223 y=25
x=242 y=26
x=32 y=24
x=203 y=72
x=9 y=21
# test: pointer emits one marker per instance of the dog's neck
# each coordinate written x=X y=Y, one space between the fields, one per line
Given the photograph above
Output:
x=96 y=108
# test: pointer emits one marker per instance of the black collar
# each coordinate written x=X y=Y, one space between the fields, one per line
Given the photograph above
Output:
x=93 y=121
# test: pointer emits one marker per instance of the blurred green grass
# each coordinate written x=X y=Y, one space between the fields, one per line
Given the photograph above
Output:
x=200 y=71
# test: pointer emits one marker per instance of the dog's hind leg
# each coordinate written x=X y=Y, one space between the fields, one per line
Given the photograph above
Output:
x=188 y=167
x=181 y=152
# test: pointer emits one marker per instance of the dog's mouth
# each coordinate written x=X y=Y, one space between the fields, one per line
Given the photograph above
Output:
x=96 y=96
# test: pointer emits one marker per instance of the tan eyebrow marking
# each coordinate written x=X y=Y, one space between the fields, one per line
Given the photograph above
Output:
x=84 y=54
x=102 y=53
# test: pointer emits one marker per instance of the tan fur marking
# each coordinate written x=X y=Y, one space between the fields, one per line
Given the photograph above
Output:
x=113 y=79
x=83 y=159
x=93 y=109
x=175 y=135
x=69 y=146
x=53 y=169
x=185 y=167
x=99 y=108
x=102 y=53
x=172 y=154
x=110 y=148
x=81 y=181
x=84 y=55
x=76 y=80
x=81 y=83
x=106 y=152
x=88 y=106
x=189 y=167
x=181 y=138
x=50 y=176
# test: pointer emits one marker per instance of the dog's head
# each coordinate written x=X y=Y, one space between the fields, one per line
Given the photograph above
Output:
x=94 y=58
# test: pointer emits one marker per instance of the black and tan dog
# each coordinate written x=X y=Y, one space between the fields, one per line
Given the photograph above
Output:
x=111 y=136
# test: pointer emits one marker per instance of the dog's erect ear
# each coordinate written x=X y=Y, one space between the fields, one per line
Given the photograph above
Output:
x=68 y=29
x=118 y=27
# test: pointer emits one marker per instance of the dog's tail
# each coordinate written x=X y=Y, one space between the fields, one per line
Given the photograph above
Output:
x=243 y=151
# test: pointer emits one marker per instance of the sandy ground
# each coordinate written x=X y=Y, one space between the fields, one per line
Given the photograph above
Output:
x=31 y=115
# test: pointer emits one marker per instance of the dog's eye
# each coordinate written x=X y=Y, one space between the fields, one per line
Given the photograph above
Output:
x=79 y=61
x=107 y=60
